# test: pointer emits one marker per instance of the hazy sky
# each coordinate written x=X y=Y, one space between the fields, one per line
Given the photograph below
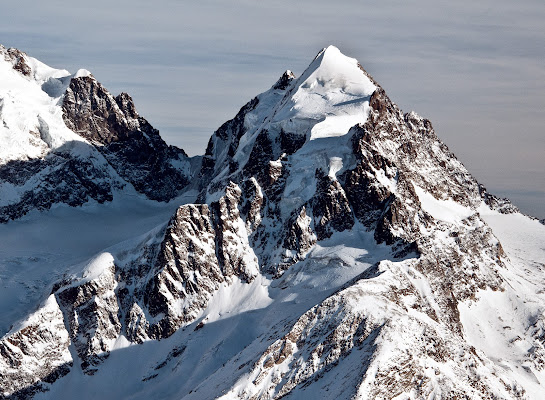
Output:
x=475 y=69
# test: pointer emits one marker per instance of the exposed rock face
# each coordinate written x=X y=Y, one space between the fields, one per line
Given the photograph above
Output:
x=298 y=239
x=291 y=189
x=284 y=80
x=189 y=246
x=503 y=206
x=204 y=247
x=60 y=177
x=331 y=210
x=17 y=59
x=129 y=143
x=96 y=115
x=91 y=310
x=36 y=354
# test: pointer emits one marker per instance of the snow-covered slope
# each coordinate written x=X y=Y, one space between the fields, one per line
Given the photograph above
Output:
x=66 y=139
x=27 y=111
x=337 y=250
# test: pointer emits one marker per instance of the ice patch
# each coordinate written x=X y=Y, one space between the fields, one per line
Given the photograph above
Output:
x=43 y=72
x=97 y=266
x=335 y=165
x=82 y=73
x=338 y=125
x=521 y=237
x=121 y=343
x=443 y=210
x=236 y=297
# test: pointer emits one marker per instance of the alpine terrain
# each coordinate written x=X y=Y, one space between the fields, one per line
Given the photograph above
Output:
x=325 y=246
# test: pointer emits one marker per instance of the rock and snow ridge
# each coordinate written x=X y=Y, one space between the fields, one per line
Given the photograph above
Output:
x=339 y=250
x=66 y=139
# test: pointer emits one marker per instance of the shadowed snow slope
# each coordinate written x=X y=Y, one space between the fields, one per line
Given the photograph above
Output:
x=336 y=249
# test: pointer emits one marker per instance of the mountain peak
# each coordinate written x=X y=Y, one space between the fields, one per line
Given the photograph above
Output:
x=330 y=97
x=333 y=92
x=332 y=69
x=329 y=49
x=82 y=72
x=283 y=82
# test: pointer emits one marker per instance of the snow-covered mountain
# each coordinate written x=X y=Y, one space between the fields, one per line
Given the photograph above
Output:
x=336 y=249
x=66 y=139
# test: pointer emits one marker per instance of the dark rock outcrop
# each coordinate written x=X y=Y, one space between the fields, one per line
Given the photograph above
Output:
x=35 y=355
x=58 y=178
x=331 y=210
x=91 y=312
x=129 y=143
x=17 y=59
x=204 y=246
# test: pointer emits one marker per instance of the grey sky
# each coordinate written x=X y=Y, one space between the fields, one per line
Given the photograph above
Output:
x=475 y=69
